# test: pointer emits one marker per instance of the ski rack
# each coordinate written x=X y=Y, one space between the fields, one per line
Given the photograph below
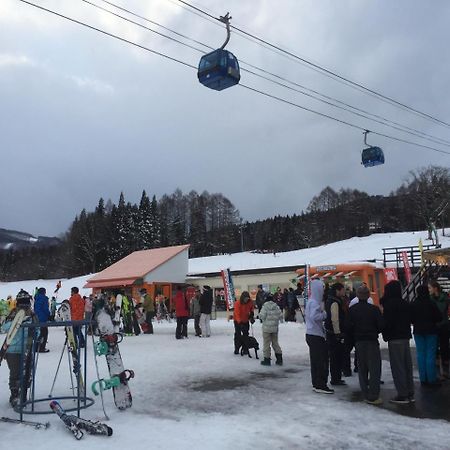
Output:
x=81 y=398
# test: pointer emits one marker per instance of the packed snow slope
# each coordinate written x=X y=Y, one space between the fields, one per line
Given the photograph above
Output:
x=197 y=393
x=351 y=250
x=14 y=287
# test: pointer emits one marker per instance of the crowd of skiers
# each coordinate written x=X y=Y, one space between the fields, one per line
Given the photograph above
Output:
x=335 y=324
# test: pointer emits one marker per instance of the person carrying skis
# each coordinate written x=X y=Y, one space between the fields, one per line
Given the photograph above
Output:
x=206 y=302
x=20 y=341
x=242 y=315
x=270 y=316
x=149 y=309
x=182 y=312
x=42 y=311
x=77 y=313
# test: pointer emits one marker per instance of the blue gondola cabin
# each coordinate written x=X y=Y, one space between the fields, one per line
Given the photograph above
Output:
x=219 y=70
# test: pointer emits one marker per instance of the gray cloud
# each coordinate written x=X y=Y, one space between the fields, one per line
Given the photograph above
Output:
x=84 y=116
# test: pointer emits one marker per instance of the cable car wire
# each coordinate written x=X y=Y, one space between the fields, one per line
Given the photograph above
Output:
x=352 y=83
x=329 y=100
x=266 y=94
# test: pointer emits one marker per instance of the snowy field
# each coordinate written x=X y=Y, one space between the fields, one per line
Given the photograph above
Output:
x=197 y=393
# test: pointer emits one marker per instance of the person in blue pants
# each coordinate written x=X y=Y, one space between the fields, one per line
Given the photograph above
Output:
x=425 y=316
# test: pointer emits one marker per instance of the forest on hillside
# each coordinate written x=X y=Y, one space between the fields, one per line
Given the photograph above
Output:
x=212 y=225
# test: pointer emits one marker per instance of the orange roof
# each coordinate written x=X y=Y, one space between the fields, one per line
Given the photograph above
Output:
x=135 y=265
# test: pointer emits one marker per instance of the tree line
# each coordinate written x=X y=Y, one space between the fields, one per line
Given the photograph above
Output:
x=212 y=225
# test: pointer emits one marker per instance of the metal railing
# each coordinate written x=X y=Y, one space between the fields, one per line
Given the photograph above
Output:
x=393 y=255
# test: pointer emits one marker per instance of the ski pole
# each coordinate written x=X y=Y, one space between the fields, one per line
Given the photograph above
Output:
x=57 y=369
x=98 y=373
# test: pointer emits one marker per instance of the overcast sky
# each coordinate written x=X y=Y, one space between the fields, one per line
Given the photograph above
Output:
x=83 y=116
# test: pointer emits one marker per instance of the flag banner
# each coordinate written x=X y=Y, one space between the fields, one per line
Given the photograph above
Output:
x=230 y=296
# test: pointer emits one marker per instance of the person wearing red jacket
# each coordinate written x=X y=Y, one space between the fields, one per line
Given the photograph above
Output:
x=242 y=315
x=77 y=313
x=182 y=312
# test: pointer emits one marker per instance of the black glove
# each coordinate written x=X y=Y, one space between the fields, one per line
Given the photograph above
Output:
x=252 y=320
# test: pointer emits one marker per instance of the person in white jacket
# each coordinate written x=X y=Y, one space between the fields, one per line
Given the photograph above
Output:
x=270 y=316
x=315 y=338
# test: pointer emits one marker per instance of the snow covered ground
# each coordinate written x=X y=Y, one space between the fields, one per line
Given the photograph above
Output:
x=13 y=288
x=197 y=393
x=347 y=251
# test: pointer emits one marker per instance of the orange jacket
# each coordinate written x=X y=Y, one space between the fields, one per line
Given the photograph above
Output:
x=242 y=311
x=76 y=307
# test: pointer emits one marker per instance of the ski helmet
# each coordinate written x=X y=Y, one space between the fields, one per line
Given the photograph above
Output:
x=23 y=298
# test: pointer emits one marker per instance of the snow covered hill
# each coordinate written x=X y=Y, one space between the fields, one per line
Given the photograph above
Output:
x=349 y=250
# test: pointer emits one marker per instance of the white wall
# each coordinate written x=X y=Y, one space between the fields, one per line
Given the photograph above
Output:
x=173 y=271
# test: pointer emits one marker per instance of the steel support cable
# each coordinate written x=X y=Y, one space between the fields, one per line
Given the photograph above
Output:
x=360 y=112
x=266 y=94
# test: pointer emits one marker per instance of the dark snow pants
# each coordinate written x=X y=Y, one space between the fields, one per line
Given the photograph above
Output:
x=336 y=352
x=318 y=355
x=13 y=361
x=198 y=330
x=43 y=338
x=148 y=319
x=401 y=366
x=181 y=330
x=369 y=368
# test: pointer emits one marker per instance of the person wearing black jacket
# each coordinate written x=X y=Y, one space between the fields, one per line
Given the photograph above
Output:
x=425 y=316
x=206 y=302
x=397 y=333
x=366 y=324
x=335 y=327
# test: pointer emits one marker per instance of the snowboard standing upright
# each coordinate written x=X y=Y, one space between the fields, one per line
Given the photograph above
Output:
x=117 y=313
x=122 y=393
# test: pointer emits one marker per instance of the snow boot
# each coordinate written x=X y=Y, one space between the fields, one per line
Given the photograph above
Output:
x=14 y=398
x=265 y=362
x=279 y=361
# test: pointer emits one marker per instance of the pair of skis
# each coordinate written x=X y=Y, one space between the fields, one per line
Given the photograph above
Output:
x=14 y=328
x=77 y=425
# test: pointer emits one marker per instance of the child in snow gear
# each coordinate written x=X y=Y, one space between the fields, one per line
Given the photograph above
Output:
x=315 y=338
x=18 y=340
x=270 y=316
x=243 y=314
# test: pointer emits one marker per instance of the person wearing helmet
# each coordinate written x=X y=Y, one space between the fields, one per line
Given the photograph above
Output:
x=21 y=340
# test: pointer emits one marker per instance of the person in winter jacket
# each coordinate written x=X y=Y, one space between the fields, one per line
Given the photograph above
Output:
x=315 y=338
x=196 y=312
x=270 y=316
x=291 y=306
x=425 y=316
x=182 y=312
x=397 y=333
x=21 y=341
x=42 y=312
x=149 y=308
x=279 y=299
x=77 y=313
x=260 y=297
x=242 y=315
x=335 y=327
x=366 y=322
x=206 y=302
x=443 y=303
